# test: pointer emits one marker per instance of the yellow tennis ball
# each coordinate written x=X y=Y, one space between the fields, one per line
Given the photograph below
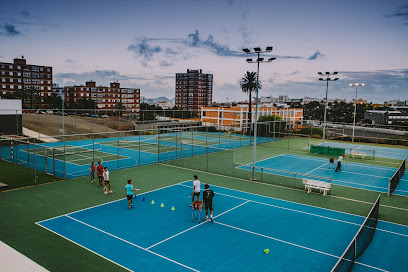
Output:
x=266 y=250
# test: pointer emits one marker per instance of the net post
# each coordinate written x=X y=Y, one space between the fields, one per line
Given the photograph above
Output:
x=46 y=160
x=389 y=188
x=261 y=173
x=28 y=153
x=373 y=154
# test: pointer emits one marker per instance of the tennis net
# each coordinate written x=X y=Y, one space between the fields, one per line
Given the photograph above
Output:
x=394 y=181
x=58 y=151
x=360 y=241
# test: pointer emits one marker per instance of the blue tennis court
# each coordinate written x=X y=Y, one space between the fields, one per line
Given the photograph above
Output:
x=380 y=151
x=154 y=238
x=358 y=175
x=120 y=152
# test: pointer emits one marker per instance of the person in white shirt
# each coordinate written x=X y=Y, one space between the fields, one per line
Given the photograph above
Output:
x=196 y=189
x=107 y=180
x=339 y=161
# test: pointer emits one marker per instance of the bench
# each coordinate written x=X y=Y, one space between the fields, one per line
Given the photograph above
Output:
x=358 y=153
x=316 y=184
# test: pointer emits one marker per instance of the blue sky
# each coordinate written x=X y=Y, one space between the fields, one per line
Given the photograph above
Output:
x=144 y=43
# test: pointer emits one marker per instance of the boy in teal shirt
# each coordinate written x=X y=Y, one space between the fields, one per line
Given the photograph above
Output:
x=129 y=192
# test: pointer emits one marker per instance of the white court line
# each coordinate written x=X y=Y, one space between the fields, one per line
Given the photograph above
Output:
x=293 y=244
x=354 y=163
x=357 y=173
x=107 y=203
x=130 y=243
x=316 y=168
x=85 y=248
x=196 y=225
x=302 y=204
x=283 y=187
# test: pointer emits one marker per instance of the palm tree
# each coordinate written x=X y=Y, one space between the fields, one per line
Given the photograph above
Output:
x=33 y=94
x=248 y=85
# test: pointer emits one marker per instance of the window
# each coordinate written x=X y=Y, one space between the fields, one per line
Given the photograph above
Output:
x=36 y=69
x=11 y=86
x=10 y=66
x=3 y=80
x=18 y=74
x=4 y=86
x=19 y=67
x=20 y=87
x=10 y=73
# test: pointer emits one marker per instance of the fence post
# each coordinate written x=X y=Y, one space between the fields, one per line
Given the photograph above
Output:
x=118 y=150
x=158 y=145
x=139 y=148
x=35 y=165
x=65 y=161
x=233 y=162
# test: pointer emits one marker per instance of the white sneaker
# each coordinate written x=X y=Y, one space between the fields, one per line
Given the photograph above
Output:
x=110 y=191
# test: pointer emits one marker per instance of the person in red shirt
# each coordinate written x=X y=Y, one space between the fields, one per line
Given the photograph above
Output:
x=93 y=173
x=99 y=170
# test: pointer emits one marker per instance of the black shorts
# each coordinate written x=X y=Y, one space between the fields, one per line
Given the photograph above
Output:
x=196 y=194
x=100 y=178
x=129 y=197
x=107 y=181
x=208 y=206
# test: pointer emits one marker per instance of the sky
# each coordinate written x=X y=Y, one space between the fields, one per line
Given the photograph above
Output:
x=144 y=43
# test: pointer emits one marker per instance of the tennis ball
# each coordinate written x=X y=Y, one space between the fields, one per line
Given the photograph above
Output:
x=36 y=177
x=266 y=250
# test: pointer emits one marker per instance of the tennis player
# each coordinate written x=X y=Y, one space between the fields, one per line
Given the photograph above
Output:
x=208 y=195
x=93 y=173
x=129 y=193
x=107 y=179
x=99 y=171
x=339 y=161
x=196 y=189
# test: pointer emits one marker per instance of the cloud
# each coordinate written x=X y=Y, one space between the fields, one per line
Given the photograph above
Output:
x=401 y=13
x=245 y=35
x=230 y=3
x=316 y=55
x=26 y=13
x=9 y=30
x=143 y=49
x=194 y=40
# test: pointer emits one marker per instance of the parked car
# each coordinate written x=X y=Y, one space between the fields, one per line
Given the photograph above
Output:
x=85 y=114
x=95 y=115
x=41 y=112
x=104 y=116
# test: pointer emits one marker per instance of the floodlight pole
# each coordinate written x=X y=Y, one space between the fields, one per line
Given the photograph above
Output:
x=258 y=60
x=355 y=107
x=325 y=107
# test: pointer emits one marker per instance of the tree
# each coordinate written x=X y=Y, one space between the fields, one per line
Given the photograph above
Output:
x=33 y=94
x=120 y=107
x=248 y=86
x=275 y=124
x=54 y=101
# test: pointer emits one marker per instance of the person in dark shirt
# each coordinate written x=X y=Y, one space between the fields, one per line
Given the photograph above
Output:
x=208 y=195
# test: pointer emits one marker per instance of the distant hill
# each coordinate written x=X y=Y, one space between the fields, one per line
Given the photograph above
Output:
x=162 y=99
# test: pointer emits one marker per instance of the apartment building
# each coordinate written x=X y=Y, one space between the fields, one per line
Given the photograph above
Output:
x=106 y=97
x=22 y=76
x=193 y=90
x=237 y=117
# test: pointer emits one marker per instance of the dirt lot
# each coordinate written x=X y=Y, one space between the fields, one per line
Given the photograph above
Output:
x=51 y=125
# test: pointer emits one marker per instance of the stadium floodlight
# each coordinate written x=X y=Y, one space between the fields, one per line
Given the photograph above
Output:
x=355 y=107
x=258 y=51
x=327 y=89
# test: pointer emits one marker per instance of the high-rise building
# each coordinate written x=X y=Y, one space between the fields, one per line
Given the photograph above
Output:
x=193 y=90
x=107 y=98
x=22 y=76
